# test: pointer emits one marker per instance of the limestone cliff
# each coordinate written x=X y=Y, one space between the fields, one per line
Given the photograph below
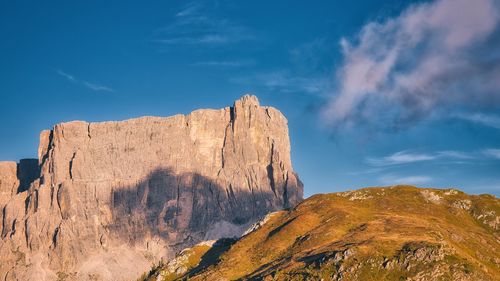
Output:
x=114 y=197
x=391 y=233
x=16 y=178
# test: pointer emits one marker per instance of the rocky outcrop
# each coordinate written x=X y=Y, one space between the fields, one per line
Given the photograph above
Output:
x=113 y=197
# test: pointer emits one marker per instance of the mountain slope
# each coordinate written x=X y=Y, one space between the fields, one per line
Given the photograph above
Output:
x=394 y=233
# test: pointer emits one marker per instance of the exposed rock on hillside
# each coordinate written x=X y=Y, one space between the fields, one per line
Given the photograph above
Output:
x=113 y=197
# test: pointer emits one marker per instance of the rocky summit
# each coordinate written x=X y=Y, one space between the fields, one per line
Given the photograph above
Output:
x=106 y=200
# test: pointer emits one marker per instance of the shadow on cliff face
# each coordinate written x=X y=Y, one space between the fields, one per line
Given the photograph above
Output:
x=27 y=172
x=174 y=206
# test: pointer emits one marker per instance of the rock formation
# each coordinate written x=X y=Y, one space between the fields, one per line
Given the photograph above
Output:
x=16 y=178
x=112 y=198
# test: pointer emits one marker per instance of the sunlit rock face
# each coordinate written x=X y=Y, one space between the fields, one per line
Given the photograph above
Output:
x=16 y=178
x=9 y=182
x=113 y=197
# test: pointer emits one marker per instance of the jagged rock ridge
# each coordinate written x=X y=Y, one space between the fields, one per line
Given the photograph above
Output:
x=113 y=197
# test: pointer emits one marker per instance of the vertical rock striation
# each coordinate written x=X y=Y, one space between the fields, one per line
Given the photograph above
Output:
x=113 y=197
x=9 y=182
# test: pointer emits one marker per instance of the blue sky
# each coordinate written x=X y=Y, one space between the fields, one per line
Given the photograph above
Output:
x=376 y=92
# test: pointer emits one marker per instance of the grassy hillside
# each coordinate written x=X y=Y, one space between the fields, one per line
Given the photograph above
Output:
x=394 y=233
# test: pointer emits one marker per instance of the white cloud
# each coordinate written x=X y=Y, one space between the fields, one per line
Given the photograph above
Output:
x=492 y=152
x=483 y=119
x=412 y=180
x=406 y=157
x=92 y=86
x=438 y=55
x=401 y=157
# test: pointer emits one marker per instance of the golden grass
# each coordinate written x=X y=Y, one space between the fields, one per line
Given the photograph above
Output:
x=376 y=224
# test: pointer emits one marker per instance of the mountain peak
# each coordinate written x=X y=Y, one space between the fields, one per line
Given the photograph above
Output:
x=247 y=100
x=155 y=184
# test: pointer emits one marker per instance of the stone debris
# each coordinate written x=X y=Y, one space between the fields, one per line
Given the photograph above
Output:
x=431 y=197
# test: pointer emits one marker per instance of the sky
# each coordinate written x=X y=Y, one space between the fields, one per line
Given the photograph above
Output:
x=376 y=92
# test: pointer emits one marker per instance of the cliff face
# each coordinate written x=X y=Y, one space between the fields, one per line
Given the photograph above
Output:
x=8 y=181
x=113 y=197
x=16 y=178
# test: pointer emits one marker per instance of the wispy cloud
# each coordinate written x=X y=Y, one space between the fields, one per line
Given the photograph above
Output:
x=407 y=157
x=396 y=179
x=492 y=152
x=401 y=157
x=285 y=82
x=429 y=60
x=196 y=25
x=236 y=63
x=455 y=154
x=483 y=119
x=304 y=74
x=189 y=10
x=97 y=87
x=90 y=85
x=66 y=75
